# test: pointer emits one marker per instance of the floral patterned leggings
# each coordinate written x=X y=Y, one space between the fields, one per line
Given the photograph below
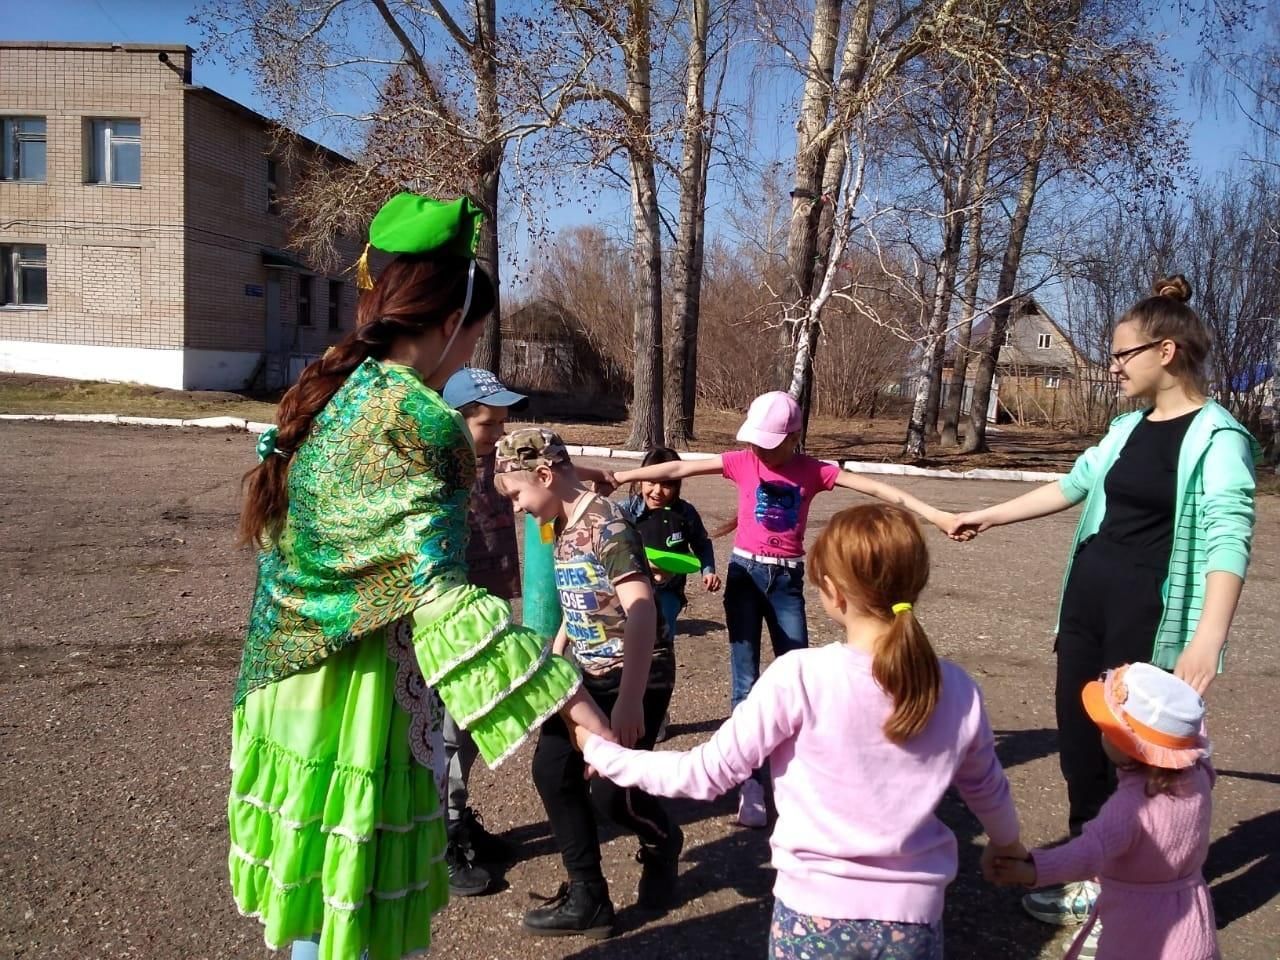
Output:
x=797 y=936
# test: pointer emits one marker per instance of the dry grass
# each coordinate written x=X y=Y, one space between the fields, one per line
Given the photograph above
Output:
x=25 y=394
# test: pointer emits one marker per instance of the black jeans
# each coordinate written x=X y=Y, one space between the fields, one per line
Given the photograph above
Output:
x=1111 y=609
x=567 y=795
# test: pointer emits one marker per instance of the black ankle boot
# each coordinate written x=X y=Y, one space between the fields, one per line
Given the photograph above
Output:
x=466 y=878
x=660 y=866
x=579 y=908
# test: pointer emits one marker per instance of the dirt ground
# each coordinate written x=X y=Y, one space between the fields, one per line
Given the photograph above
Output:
x=123 y=602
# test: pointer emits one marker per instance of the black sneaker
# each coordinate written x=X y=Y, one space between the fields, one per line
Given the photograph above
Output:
x=465 y=878
x=488 y=847
x=660 y=866
x=579 y=908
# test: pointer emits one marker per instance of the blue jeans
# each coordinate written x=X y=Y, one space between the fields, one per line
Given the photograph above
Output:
x=756 y=594
x=670 y=603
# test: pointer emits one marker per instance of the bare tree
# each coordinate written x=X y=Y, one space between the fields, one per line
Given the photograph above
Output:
x=1234 y=269
x=413 y=90
x=883 y=40
x=587 y=275
x=973 y=278
x=680 y=399
x=601 y=107
x=1241 y=64
x=952 y=159
x=1097 y=94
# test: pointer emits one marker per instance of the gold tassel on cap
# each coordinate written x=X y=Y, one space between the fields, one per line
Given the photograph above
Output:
x=364 y=280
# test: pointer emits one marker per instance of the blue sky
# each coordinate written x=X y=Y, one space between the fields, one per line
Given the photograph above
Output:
x=1217 y=140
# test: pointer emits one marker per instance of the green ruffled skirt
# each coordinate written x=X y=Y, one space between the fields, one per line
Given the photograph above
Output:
x=336 y=829
x=334 y=810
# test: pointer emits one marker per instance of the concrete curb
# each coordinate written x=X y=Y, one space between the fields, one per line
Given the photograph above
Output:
x=602 y=453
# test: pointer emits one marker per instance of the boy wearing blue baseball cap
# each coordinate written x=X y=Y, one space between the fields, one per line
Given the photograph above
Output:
x=493 y=562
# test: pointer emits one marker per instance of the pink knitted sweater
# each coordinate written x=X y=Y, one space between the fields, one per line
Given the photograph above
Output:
x=1148 y=853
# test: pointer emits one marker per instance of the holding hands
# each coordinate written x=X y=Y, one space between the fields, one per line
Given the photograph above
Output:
x=1008 y=865
x=966 y=526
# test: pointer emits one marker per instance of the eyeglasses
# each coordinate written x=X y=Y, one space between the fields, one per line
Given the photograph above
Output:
x=1122 y=357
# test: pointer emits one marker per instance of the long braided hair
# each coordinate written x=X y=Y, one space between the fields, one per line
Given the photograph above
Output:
x=413 y=295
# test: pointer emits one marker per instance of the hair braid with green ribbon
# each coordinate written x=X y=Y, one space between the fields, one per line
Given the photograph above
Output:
x=433 y=275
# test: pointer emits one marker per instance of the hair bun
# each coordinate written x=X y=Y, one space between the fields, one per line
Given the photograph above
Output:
x=1175 y=287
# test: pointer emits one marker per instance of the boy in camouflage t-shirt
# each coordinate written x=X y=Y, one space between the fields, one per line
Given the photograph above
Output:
x=611 y=628
x=597 y=549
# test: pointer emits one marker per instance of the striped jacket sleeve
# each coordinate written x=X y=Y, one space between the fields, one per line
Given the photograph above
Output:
x=1227 y=515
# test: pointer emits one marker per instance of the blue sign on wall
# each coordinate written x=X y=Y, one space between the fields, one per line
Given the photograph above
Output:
x=252 y=290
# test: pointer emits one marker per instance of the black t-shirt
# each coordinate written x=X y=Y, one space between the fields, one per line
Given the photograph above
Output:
x=665 y=529
x=1142 y=488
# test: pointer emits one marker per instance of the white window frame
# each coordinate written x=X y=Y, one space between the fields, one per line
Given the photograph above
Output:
x=273 y=186
x=1052 y=383
x=1044 y=341
x=14 y=137
x=1008 y=338
x=11 y=267
x=103 y=145
x=306 y=299
x=337 y=293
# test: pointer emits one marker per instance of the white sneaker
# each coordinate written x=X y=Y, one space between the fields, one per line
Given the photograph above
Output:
x=751 y=809
x=1066 y=906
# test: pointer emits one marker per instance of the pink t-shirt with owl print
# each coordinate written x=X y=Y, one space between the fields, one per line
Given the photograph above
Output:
x=773 y=503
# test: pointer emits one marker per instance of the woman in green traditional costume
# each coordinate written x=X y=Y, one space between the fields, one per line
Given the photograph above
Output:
x=363 y=614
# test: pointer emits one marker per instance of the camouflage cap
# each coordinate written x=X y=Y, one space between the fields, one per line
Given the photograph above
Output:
x=529 y=448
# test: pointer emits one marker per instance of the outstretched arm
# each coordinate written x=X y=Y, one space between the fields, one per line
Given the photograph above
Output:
x=890 y=494
x=675 y=470
x=1041 y=502
x=768 y=717
x=605 y=482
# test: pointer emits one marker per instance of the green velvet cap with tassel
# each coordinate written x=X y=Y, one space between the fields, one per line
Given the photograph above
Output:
x=409 y=223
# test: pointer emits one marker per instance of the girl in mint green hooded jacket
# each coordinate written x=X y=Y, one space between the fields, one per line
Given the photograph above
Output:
x=1163 y=542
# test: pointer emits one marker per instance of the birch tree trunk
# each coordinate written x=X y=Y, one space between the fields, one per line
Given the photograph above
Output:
x=973 y=277
x=646 y=398
x=955 y=180
x=853 y=70
x=680 y=385
x=806 y=196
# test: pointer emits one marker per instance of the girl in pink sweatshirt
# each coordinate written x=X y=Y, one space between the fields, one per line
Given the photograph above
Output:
x=1148 y=843
x=863 y=738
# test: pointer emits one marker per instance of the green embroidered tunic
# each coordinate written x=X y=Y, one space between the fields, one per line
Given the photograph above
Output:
x=362 y=610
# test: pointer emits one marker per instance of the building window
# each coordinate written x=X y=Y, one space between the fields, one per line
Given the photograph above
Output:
x=1044 y=341
x=273 y=187
x=304 y=301
x=1008 y=338
x=335 y=304
x=25 y=276
x=1052 y=383
x=115 y=152
x=23 y=152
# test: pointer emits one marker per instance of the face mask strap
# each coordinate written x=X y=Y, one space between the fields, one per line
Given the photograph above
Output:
x=466 y=308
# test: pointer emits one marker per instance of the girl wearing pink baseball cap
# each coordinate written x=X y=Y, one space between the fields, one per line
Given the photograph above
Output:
x=765 y=582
